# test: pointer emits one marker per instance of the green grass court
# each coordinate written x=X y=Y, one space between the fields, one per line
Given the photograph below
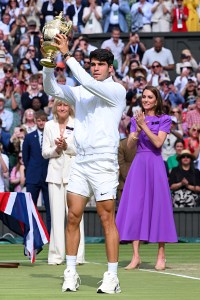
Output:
x=38 y=281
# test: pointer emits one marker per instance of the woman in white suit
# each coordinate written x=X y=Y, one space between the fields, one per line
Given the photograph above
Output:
x=58 y=147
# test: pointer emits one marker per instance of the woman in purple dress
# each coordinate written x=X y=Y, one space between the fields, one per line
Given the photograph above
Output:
x=145 y=211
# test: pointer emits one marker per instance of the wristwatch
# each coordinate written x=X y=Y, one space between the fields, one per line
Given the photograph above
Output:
x=68 y=53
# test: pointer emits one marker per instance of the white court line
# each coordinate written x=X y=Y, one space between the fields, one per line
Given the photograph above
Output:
x=95 y=263
x=157 y=272
x=172 y=274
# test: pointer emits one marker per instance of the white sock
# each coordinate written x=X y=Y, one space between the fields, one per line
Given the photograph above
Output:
x=71 y=262
x=112 y=267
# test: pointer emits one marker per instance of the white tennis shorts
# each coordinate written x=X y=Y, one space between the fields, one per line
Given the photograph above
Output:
x=98 y=178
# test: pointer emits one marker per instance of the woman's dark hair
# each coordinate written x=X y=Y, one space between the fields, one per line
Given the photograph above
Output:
x=156 y=92
x=102 y=55
x=178 y=141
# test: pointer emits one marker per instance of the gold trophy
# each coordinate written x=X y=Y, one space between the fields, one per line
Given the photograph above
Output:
x=49 y=31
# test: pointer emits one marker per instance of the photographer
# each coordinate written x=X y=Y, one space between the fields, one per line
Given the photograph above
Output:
x=134 y=46
x=169 y=92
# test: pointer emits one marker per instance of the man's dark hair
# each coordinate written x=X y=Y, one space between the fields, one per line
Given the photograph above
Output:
x=102 y=55
x=41 y=115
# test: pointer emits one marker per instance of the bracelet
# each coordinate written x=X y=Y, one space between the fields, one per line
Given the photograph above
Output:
x=135 y=138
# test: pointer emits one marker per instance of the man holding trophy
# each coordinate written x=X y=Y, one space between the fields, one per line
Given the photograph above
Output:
x=99 y=103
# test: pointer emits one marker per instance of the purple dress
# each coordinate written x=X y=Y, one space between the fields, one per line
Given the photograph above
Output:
x=145 y=212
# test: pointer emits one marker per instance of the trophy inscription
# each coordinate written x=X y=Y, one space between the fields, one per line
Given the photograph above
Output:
x=49 y=31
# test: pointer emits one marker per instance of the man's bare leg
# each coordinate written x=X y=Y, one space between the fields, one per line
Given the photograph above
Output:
x=76 y=205
x=106 y=212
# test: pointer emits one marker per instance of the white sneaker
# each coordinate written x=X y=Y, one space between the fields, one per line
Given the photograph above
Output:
x=110 y=284
x=71 y=281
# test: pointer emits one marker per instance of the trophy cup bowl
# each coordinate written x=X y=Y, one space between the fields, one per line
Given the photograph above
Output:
x=49 y=31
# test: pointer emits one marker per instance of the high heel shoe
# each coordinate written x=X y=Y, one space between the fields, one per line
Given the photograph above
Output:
x=161 y=265
x=133 y=265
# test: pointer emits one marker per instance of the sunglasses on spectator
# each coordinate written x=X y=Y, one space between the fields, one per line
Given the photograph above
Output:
x=32 y=50
x=155 y=66
x=176 y=112
x=196 y=130
x=185 y=156
x=8 y=71
x=59 y=69
x=8 y=84
x=20 y=157
x=86 y=62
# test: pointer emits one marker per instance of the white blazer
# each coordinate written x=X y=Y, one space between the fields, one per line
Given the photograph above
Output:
x=59 y=164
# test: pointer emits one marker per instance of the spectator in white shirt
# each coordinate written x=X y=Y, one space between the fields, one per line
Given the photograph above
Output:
x=5 y=115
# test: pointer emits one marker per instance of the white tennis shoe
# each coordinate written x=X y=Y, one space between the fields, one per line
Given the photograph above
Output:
x=110 y=284
x=71 y=281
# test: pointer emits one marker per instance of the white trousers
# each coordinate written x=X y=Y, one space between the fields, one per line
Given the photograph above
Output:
x=58 y=209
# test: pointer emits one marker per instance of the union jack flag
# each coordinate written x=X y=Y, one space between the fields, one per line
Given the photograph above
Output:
x=18 y=212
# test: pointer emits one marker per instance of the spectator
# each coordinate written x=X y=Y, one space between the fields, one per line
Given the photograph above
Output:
x=189 y=92
x=158 y=53
x=116 y=46
x=5 y=27
x=172 y=161
x=172 y=136
x=2 y=62
x=18 y=28
x=85 y=46
x=34 y=34
x=49 y=10
x=15 y=145
x=114 y=15
x=185 y=181
x=12 y=103
x=134 y=46
x=13 y=10
x=24 y=74
x=4 y=138
x=125 y=158
x=185 y=74
x=28 y=120
x=33 y=91
x=33 y=56
x=193 y=117
x=9 y=74
x=5 y=115
x=58 y=147
x=17 y=175
x=179 y=16
x=141 y=16
x=177 y=112
x=36 y=104
x=92 y=15
x=192 y=22
x=170 y=93
x=75 y=14
x=21 y=49
x=128 y=79
x=161 y=16
x=186 y=56
x=4 y=169
x=192 y=141
x=36 y=166
x=32 y=11
x=156 y=74
x=4 y=41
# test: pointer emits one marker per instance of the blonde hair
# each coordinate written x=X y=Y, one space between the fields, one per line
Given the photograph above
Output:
x=194 y=126
x=54 y=109
x=24 y=116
